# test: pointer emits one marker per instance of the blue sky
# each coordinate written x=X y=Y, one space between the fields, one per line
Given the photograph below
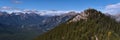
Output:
x=58 y=4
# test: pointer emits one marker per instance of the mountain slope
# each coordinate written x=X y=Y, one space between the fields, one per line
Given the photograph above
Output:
x=94 y=26
x=20 y=26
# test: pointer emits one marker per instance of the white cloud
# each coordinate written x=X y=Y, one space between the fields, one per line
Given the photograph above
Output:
x=41 y=12
x=5 y=8
x=50 y=12
x=16 y=1
x=9 y=9
x=55 y=12
x=113 y=8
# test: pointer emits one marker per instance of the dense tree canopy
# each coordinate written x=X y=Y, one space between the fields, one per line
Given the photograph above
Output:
x=97 y=27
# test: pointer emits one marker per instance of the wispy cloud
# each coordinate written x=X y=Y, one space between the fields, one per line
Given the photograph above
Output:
x=5 y=8
x=41 y=12
x=8 y=8
x=56 y=12
x=113 y=8
x=16 y=1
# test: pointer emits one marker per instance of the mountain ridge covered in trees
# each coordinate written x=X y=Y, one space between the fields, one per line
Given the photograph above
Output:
x=95 y=26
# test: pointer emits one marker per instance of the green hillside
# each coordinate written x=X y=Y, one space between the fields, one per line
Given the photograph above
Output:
x=97 y=26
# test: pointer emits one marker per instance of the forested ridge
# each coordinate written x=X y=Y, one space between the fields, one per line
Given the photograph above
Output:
x=97 y=26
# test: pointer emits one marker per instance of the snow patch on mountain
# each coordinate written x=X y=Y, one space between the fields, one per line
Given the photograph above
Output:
x=40 y=12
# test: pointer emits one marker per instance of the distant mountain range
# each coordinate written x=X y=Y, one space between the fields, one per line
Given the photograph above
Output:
x=88 y=25
x=39 y=12
x=26 y=26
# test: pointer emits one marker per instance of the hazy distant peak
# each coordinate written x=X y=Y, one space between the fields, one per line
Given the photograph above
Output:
x=40 y=12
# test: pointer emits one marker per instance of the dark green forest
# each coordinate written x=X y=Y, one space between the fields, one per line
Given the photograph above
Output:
x=97 y=27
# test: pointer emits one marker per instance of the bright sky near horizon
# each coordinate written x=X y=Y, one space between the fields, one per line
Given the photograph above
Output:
x=101 y=5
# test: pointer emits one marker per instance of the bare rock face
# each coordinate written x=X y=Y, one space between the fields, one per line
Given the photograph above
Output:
x=79 y=17
x=89 y=13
